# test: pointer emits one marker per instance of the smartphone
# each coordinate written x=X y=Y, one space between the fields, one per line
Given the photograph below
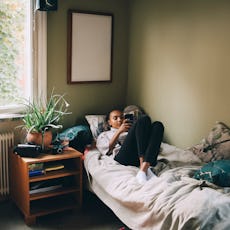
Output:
x=129 y=117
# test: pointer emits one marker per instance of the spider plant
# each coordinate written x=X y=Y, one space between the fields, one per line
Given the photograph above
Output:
x=41 y=116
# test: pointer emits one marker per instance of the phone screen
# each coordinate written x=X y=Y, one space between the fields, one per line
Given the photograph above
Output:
x=129 y=117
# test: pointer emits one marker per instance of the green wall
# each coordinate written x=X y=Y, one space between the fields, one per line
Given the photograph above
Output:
x=179 y=65
x=170 y=57
x=88 y=98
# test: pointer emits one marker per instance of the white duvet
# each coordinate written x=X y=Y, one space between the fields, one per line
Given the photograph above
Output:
x=174 y=200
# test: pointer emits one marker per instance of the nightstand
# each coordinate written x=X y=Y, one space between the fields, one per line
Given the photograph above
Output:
x=66 y=196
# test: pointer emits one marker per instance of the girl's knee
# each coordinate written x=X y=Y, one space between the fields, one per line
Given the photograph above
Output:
x=144 y=119
x=158 y=125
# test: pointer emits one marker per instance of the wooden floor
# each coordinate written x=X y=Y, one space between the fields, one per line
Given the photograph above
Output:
x=94 y=215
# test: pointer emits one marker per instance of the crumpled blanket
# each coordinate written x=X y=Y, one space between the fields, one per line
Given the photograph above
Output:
x=172 y=201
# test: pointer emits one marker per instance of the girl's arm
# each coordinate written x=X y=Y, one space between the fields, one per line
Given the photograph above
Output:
x=123 y=128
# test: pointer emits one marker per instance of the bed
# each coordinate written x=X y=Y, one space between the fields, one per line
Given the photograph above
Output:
x=174 y=200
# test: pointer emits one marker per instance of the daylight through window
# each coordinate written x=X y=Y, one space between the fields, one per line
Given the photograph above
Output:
x=15 y=52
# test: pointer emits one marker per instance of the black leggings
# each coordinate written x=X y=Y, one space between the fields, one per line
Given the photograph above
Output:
x=143 y=140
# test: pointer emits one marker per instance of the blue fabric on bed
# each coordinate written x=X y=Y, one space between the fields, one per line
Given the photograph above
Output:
x=216 y=172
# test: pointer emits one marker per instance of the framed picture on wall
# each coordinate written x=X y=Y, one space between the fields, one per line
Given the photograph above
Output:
x=90 y=42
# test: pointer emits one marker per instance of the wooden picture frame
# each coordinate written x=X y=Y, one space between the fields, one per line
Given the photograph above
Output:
x=90 y=42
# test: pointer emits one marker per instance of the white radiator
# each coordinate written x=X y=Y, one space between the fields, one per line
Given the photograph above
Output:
x=6 y=142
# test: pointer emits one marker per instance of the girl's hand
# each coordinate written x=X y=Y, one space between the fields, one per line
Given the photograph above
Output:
x=125 y=126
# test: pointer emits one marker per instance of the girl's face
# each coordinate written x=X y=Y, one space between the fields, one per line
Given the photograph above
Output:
x=115 y=118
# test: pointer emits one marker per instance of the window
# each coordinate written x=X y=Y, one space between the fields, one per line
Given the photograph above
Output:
x=22 y=54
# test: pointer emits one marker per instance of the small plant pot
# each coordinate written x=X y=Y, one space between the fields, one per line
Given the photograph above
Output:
x=36 y=138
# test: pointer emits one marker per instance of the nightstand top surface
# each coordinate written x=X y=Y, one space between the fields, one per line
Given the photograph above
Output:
x=66 y=154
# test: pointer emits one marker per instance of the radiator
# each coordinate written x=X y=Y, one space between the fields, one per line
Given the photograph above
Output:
x=6 y=142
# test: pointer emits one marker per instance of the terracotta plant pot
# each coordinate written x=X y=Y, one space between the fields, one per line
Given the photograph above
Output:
x=36 y=138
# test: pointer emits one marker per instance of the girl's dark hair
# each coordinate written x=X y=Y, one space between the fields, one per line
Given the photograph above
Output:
x=108 y=114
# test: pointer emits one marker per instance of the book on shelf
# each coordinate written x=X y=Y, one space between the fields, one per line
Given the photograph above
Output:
x=35 y=166
x=45 y=189
x=45 y=186
x=53 y=166
x=36 y=172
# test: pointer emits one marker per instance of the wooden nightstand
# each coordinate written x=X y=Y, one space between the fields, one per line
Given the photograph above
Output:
x=68 y=196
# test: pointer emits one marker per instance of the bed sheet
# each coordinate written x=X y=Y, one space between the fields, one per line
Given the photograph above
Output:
x=172 y=201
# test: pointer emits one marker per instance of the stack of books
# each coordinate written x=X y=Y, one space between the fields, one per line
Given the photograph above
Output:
x=36 y=169
x=41 y=168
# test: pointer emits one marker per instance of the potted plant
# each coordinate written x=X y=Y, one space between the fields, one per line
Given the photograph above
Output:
x=43 y=116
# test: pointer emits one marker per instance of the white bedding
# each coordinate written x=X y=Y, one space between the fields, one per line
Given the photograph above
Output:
x=172 y=201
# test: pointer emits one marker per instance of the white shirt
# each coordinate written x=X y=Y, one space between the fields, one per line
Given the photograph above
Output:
x=104 y=139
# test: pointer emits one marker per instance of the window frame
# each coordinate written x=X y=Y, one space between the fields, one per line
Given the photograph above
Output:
x=38 y=69
x=40 y=56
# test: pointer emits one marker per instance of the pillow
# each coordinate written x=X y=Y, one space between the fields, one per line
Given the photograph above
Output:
x=216 y=172
x=97 y=124
x=215 y=146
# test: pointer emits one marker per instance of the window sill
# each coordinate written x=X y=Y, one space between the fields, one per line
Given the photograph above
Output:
x=10 y=117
